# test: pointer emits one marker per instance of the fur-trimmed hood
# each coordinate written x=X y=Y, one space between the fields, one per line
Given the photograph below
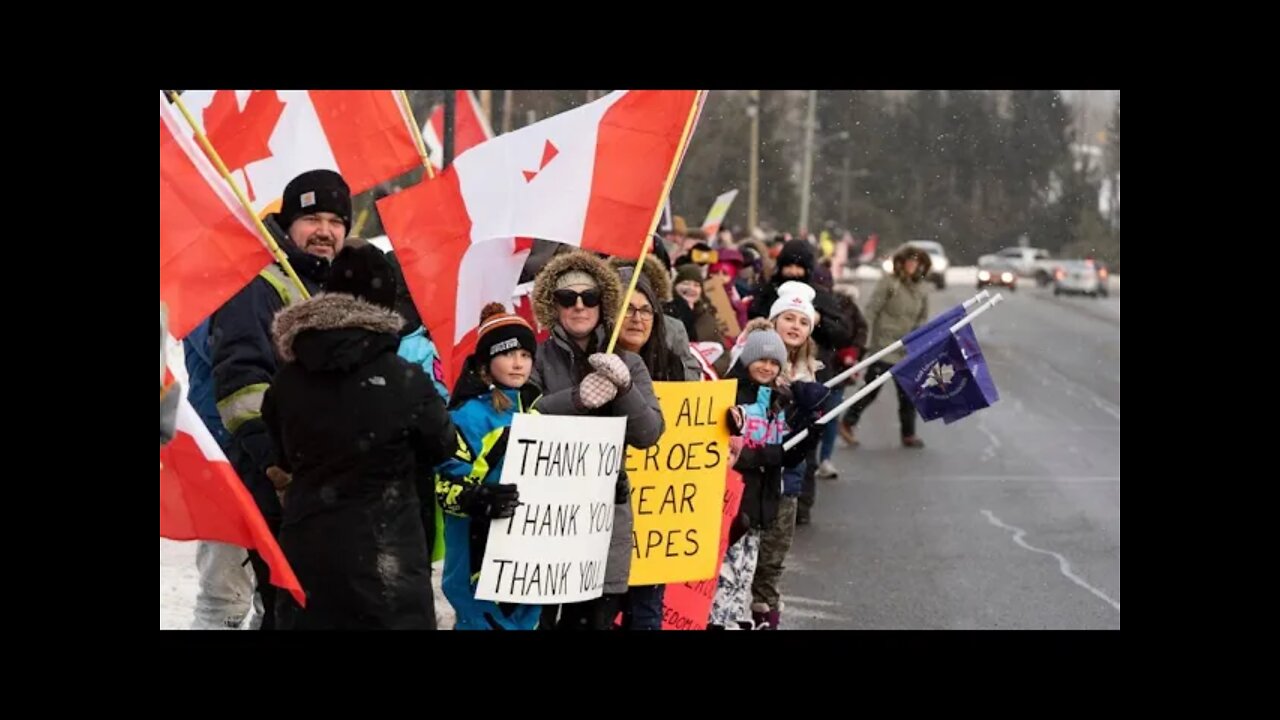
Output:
x=756 y=324
x=332 y=311
x=922 y=257
x=658 y=277
x=544 y=285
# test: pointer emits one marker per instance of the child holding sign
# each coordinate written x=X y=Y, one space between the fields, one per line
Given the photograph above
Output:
x=493 y=387
x=760 y=418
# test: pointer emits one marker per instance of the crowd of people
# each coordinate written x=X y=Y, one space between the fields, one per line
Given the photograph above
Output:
x=367 y=466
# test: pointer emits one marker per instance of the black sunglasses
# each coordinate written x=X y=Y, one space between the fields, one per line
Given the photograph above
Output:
x=567 y=298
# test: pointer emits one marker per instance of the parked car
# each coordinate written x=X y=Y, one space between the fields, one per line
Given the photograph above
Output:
x=1027 y=261
x=998 y=274
x=1080 y=277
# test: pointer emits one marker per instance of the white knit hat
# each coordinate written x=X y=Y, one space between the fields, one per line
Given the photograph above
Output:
x=794 y=295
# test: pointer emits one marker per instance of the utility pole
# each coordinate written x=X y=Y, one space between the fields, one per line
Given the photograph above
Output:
x=844 y=192
x=450 y=111
x=486 y=104
x=806 y=173
x=753 y=201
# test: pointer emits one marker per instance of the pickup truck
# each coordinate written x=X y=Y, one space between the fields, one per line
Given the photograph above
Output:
x=1026 y=261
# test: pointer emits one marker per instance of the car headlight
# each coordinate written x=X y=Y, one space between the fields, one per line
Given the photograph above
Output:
x=983 y=275
x=888 y=266
x=1006 y=277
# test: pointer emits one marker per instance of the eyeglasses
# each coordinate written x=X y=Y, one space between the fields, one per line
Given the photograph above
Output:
x=567 y=298
x=645 y=314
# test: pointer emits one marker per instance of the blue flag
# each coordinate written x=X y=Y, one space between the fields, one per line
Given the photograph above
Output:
x=981 y=374
x=935 y=324
x=945 y=376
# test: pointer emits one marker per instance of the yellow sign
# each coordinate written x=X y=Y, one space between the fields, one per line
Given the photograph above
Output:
x=677 y=486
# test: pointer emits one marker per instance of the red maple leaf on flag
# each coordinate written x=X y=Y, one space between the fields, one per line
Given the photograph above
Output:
x=240 y=136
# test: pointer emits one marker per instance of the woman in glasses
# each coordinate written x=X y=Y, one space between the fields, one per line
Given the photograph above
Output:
x=642 y=609
x=577 y=296
x=658 y=276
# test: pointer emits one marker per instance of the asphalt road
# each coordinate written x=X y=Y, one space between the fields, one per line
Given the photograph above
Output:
x=1009 y=518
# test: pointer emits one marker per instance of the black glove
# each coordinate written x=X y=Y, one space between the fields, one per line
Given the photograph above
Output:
x=809 y=396
x=735 y=417
x=491 y=501
x=800 y=451
x=740 y=526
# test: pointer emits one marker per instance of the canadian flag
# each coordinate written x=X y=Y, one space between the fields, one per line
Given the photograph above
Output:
x=522 y=305
x=209 y=246
x=470 y=128
x=705 y=354
x=202 y=498
x=591 y=177
x=268 y=137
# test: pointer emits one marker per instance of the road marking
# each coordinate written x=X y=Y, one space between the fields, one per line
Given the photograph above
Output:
x=815 y=614
x=1026 y=478
x=989 y=452
x=809 y=601
x=1063 y=566
x=1070 y=388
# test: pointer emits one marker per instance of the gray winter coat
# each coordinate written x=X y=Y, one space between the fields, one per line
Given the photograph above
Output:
x=897 y=307
x=554 y=371
x=678 y=341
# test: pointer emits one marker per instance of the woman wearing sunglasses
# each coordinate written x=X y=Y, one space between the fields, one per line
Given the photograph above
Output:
x=577 y=296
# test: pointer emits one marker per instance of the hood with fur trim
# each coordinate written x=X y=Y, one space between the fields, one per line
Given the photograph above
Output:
x=756 y=324
x=544 y=285
x=331 y=311
x=658 y=277
x=922 y=257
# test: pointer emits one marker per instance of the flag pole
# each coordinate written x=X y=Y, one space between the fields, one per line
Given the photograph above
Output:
x=417 y=133
x=866 y=362
x=999 y=298
x=226 y=175
x=360 y=220
x=884 y=377
x=657 y=215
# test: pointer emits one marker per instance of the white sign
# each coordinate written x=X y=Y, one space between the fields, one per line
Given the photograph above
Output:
x=554 y=549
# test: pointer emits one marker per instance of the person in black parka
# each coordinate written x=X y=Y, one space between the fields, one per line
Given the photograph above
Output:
x=353 y=424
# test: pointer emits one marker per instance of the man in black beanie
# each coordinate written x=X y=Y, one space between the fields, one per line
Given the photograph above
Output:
x=315 y=213
x=311 y=227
